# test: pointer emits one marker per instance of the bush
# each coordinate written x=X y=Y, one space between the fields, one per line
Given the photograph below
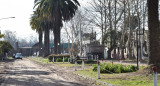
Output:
x=115 y=68
x=94 y=67
x=65 y=59
x=50 y=58
x=59 y=60
x=90 y=61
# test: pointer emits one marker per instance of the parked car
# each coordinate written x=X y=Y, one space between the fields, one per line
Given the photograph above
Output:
x=18 y=56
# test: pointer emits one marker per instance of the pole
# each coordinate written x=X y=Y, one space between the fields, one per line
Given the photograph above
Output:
x=82 y=63
x=68 y=60
x=63 y=59
x=75 y=67
x=154 y=76
x=137 y=50
x=53 y=59
x=98 y=70
x=7 y=18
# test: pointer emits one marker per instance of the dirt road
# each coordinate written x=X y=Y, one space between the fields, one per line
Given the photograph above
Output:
x=28 y=73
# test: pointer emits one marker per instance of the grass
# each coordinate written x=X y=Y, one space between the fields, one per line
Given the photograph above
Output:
x=10 y=58
x=123 y=79
x=44 y=60
x=61 y=64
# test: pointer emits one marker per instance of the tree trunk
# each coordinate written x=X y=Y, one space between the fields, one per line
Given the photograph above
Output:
x=40 y=43
x=154 y=33
x=55 y=41
x=58 y=40
x=122 y=53
x=109 y=52
x=46 y=42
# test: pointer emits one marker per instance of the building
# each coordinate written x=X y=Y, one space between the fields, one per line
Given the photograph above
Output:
x=34 y=50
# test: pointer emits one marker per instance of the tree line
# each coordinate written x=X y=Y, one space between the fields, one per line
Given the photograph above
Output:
x=118 y=20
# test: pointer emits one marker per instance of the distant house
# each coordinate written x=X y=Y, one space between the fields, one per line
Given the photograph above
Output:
x=94 y=51
x=34 y=50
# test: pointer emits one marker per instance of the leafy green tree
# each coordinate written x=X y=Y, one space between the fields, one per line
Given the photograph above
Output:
x=58 y=11
x=36 y=24
x=5 y=47
x=1 y=35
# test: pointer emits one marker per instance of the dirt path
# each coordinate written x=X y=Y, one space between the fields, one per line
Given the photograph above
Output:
x=28 y=73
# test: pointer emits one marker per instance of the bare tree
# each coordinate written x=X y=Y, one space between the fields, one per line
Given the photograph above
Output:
x=79 y=21
x=10 y=37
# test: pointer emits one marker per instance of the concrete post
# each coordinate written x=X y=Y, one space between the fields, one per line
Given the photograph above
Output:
x=98 y=70
x=75 y=67
x=63 y=59
x=139 y=62
x=120 y=60
x=53 y=59
x=68 y=60
x=154 y=76
x=102 y=60
x=82 y=63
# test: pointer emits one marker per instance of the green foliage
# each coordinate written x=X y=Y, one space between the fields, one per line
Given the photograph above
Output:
x=95 y=67
x=59 y=60
x=5 y=47
x=65 y=59
x=90 y=61
x=115 y=68
x=58 y=56
x=1 y=35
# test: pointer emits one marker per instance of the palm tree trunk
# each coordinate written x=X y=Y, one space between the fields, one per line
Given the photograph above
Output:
x=58 y=40
x=55 y=41
x=154 y=33
x=40 y=43
x=46 y=42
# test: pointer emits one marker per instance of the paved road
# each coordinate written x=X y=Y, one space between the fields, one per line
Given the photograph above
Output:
x=27 y=73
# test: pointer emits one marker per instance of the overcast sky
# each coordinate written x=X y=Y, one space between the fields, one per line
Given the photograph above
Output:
x=21 y=10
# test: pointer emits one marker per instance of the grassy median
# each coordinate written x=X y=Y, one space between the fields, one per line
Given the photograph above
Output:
x=122 y=79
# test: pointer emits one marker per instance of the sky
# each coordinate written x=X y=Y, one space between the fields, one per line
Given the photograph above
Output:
x=21 y=10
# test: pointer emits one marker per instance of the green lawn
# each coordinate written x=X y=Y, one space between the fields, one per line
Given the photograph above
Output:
x=10 y=58
x=44 y=60
x=124 y=79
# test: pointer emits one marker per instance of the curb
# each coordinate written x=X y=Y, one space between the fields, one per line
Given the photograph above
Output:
x=92 y=79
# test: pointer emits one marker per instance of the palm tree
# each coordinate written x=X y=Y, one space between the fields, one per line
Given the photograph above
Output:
x=154 y=33
x=35 y=23
x=59 y=11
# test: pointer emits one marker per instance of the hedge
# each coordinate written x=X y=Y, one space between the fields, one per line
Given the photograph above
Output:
x=115 y=68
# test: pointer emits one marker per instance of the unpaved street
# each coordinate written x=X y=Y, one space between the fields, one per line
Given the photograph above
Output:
x=28 y=73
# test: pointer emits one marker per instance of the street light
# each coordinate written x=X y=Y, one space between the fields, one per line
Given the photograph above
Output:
x=139 y=32
x=7 y=18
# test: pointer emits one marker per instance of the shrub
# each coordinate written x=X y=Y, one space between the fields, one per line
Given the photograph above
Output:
x=115 y=68
x=65 y=59
x=89 y=61
x=59 y=60
x=50 y=58
x=95 y=67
